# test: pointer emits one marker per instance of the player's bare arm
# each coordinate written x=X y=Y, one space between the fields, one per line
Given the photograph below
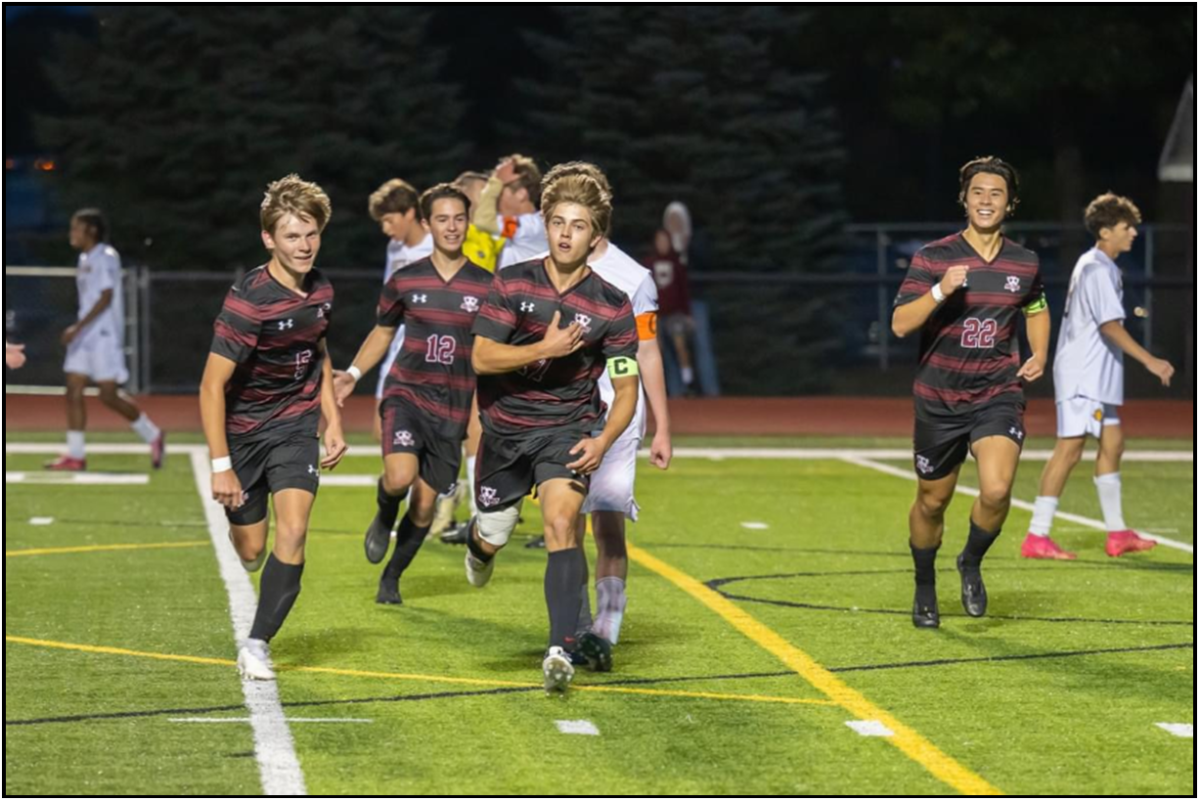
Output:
x=218 y=371
x=1037 y=328
x=371 y=353
x=591 y=450
x=650 y=366
x=490 y=357
x=335 y=440
x=1114 y=331
x=72 y=331
x=911 y=316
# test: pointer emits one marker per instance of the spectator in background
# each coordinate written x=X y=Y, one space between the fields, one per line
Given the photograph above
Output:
x=669 y=268
x=678 y=223
x=14 y=356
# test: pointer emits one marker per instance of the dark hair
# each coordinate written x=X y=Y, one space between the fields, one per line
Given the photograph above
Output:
x=995 y=166
x=529 y=177
x=1108 y=211
x=96 y=220
x=440 y=192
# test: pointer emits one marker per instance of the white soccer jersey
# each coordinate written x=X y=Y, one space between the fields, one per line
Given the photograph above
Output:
x=1085 y=363
x=100 y=269
x=529 y=242
x=399 y=256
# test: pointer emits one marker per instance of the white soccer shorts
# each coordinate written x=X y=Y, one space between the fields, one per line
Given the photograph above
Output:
x=100 y=360
x=1079 y=417
x=611 y=487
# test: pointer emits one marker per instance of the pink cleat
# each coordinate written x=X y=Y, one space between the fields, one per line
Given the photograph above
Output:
x=67 y=464
x=1035 y=547
x=158 y=450
x=1121 y=542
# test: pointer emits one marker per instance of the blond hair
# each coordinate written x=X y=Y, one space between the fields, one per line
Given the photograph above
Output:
x=581 y=189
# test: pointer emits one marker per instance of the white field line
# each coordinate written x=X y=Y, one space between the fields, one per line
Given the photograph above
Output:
x=870 y=728
x=94 y=479
x=1178 y=729
x=585 y=727
x=755 y=526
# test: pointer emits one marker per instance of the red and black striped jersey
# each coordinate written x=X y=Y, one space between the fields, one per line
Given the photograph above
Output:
x=553 y=395
x=433 y=371
x=275 y=337
x=969 y=353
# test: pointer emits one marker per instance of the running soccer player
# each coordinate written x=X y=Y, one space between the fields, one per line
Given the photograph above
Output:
x=96 y=343
x=266 y=385
x=963 y=294
x=540 y=400
x=428 y=392
x=1089 y=381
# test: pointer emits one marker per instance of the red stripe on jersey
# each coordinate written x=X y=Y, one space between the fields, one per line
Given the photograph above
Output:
x=499 y=314
x=228 y=332
x=438 y=410
x=923 y=390
x=461 y=319
x=403 y=376
x=967 y=364
x=527 y=287
x=600 y=308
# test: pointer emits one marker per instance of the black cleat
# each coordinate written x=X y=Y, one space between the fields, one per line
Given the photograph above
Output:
x=389 y=591
x=925 y=607
x=377 y=541
x=974 y=594
x=458 y=535
x=596 y=651
x=536 y=542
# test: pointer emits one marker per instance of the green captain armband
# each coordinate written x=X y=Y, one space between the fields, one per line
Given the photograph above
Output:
x=622 y=367
x=1038 y=306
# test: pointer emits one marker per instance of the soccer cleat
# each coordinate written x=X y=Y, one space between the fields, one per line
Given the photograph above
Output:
x=536 y=542
x=158 y=451
x=1038 y=547
x=254 y=661
x=925 y=607
x=67 y=464
x=557 y=669
x=389 y=591
x=377 y=541
x=443 y=517
x=974 y=594
x=596 y=652
x=459 y=534
x=479 y=572
x=254 y=565
x=1121 y=542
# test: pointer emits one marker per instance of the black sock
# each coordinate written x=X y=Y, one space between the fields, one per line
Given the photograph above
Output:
x=476 y=549
x=409 y=540
x=277 y=592
x=564 y=573
x=389 y=506
x=978 y=542
x=923 y=559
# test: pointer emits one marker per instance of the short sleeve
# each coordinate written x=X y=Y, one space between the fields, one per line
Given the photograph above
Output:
x=391 y=303
x=620 y=337
x=497 y=320
x=235 y=334
x=918 y=280
x=106 y=272
x=1100 y=295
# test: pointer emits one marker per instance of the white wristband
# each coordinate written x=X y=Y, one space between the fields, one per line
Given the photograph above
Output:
x=354 y=372
x=938 y=294
x=222 y=464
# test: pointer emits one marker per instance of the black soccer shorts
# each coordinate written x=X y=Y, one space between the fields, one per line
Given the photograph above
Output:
x=269 y=465
x=941 y=444
x=507 y=468
x=407 y=429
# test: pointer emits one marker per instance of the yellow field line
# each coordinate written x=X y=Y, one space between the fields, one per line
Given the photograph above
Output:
x=372 y=674
x=912 y=744
x=93 y=548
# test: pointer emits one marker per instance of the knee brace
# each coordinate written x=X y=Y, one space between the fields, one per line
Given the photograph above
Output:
x=495 y=527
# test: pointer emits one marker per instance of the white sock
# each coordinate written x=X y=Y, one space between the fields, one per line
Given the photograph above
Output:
x=686 y=373
x=610 y=608
x=471 y=484
x=75 y=447
x=145 y=429
x=1108 y=487
x=1044 y=507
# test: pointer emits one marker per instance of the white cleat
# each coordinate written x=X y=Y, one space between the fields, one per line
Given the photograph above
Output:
x=253 y=566
x=557 y=669
x=479 y=572
x=254 y=661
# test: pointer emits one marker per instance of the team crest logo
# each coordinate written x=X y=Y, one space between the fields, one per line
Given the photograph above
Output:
x=404 y=439
x=923 y=465
x=1012 y=284
x=584 y=322
x=470 y=304
x=323 y=310
x=488 y=496
x=1099 y=415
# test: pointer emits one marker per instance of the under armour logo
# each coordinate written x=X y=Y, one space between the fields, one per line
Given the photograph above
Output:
x=403 y=438
x=923 y=464
x=1012 y=283
x=286 y=324
x=584 y=321
x=1016 y=432
x=313 y=471
x=488 y=496
x=420 y=298
x=470 y=304
x=526 y=307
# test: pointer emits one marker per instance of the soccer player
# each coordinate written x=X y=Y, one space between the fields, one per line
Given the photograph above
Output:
x=266 y=385
x=1089 y=381
x=540 y=401
x=963 y=294
x=396 y=207
x=482 y=247
x=14 y=356
x=610 y=500
x=428 y=392
x=96 y=343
